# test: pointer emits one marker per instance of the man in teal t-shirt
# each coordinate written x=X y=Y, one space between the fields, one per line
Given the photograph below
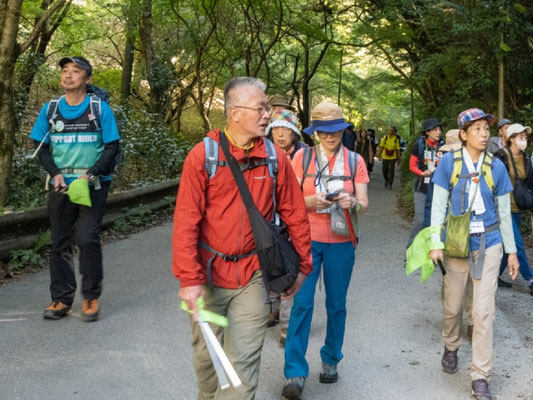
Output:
x=76 y=137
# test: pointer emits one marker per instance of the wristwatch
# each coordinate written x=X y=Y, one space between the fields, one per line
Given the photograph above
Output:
x=91 y=177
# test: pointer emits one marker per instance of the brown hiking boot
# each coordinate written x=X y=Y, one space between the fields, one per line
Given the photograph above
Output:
x=480 y=390
x=56 y=310
x=449 y=361
x=90 y=310
x=273 y=319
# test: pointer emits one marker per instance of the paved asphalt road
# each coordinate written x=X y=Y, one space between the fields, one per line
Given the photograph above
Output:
x=140 y=347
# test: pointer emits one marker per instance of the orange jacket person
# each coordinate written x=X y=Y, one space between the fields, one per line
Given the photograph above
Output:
x=210 y=213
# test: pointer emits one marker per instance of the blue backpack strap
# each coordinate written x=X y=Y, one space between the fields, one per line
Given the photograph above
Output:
x=95 y=105
x=273 y=171
x=211 y=156
x=272 y=158
x=352 y=161
x=51 y=112
x=306 y=161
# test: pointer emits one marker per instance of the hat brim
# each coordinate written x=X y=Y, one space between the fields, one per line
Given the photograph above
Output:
x=488 y=117
x=450 y=147
x=282 y=124
x=340 y=126
x=65 y=60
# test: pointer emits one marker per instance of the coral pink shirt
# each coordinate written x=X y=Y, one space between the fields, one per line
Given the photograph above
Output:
x=321 y=223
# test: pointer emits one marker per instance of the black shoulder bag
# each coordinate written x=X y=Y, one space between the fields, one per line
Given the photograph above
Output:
x=521 y=192
x=280 y=263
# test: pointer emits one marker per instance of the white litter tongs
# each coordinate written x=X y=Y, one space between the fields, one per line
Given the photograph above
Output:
x=220 y=360
x=225 y=372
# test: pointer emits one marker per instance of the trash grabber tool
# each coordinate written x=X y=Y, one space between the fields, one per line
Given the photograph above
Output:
x=219 y=369
x=226 y=364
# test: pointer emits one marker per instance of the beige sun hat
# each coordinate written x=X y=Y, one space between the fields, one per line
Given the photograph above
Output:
x=326 y=117
x=453 y=142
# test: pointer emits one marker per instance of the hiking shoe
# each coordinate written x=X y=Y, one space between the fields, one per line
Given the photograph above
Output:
x=90 y=310
x=282 y=339
x=469 y=332
x=273 y=319
x=390 y=186
x=502 y=283
x=449 y=361
x=328 y=373
x=386 y=184
x=531 y=288
x=480 y=390
x=56 y=310
x=293 y=388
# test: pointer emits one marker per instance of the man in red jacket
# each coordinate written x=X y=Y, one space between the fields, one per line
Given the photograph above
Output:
x=210 y=210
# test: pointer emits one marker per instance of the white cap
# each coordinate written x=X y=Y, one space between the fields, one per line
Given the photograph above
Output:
x=517 y=128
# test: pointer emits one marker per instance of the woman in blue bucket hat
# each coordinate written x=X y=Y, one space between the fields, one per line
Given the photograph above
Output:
x=333 y=180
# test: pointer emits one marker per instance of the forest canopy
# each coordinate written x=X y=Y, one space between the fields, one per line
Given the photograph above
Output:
x=165 y=64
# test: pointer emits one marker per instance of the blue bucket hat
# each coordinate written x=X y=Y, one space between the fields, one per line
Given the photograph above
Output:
x=326 y=117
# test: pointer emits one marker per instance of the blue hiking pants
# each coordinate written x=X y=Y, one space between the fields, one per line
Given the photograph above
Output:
x=337 y=259
x=525 y=268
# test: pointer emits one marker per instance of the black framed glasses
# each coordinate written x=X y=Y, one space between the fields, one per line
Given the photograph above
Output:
x=261 y=109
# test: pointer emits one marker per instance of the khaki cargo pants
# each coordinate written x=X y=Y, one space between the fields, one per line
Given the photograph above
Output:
x=242 y=339
x=483 y=307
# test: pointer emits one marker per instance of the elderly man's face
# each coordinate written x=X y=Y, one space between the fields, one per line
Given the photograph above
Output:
x=253 y=110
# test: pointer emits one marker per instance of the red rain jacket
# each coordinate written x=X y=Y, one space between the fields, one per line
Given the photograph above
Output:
x=212 y=210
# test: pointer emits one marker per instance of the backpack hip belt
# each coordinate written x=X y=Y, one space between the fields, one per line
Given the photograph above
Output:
x=81 y=171
x=225 y=257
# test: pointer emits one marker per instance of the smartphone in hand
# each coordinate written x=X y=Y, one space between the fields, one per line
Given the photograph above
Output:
x=331 y=196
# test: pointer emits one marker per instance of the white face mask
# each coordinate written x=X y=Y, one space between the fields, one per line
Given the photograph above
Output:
x=522 y=144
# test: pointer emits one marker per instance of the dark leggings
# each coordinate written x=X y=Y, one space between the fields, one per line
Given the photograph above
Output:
x=388 y=170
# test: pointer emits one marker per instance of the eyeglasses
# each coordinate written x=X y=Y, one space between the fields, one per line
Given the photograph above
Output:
x=261 y=109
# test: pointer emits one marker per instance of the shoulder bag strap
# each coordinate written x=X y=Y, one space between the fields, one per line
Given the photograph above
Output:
x=510 y=155
x=237 y=174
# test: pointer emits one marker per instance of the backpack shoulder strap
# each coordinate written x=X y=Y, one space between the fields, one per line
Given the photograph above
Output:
x=51 y=111
x=457 y=167
x=353 y=161
x=306 y=161
x=272 y=158
x=95 y=105
x=486 y=170
x=211 y=156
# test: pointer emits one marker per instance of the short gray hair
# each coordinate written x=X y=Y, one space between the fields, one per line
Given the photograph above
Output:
x=236 y=83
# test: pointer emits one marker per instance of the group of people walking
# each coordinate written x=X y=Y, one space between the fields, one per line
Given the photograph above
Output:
x=318 y=192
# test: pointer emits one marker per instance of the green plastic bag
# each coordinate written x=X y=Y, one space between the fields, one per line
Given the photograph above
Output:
x=417 y=255
x=79 y=193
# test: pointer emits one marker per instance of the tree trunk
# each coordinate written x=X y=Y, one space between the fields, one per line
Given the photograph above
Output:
x=127 y=69
x=127 y=62
x=8 y=51
x=145 y=31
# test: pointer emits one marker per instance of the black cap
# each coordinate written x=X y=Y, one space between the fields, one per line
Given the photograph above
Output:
x=79 y=61
x=430 y=123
